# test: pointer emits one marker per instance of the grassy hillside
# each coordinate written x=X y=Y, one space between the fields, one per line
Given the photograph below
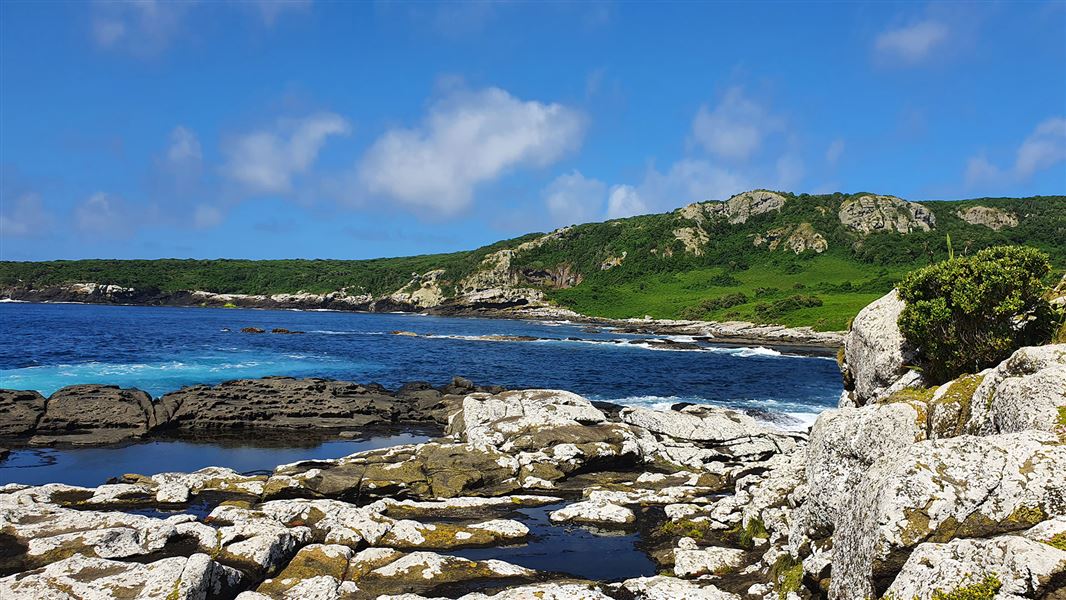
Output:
x=642 y=265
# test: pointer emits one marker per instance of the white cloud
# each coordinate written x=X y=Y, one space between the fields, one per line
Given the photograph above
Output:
x=141 y=27
x=25 y=217
x=625 y=201
x=573 y=198
x=834 y=151
x=103 y=214
x=468 y=138
x=1043 y=148
x=184 y=146
x=266 y=161
x=913 y=43
x=736 y=127
x=979 y=170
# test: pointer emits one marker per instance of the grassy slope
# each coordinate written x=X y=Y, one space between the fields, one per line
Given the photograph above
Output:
x=657 y=277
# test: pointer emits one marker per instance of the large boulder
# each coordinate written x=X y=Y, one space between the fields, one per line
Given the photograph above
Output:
x=873 y=214
x=727 y=435
x=19 y=412
x=194 y=578
x=284 y=402
x=843 y=445
x=1026 y=391
x=95 y=414
x=876 y=354
x=493 y=420
x=939 y=490
x=1022 y=567
x=743 y=206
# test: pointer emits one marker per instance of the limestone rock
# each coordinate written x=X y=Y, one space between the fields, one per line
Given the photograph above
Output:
x=419 y=571
x=194 y=578
x=1023 y=567
x=798 y=239
x=875 y=352
x=490 y=420
x=661 y=587
x=844 y=444
x=254 y=540
x=458 y=507
x=594 y=513
x=330 y=521
x=743 y=206
x=693 y=561
x=1026 y=391
x=987 y=216
x=407 y=535
x=871 y=214
x=19 y=412
x=717 y=432
x=943 y=489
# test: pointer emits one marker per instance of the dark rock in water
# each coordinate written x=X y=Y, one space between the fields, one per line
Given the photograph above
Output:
x=667 y=344
x=19 y=412
x=96 y=414
x=284 y=331
x=459 y=386
x=3 y=453
x=681 y=405
x=609 y=408
x=769 y=416
x=252 y=330
x=404 y=333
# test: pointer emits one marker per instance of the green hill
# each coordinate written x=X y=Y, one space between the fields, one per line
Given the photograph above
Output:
x=760 y=256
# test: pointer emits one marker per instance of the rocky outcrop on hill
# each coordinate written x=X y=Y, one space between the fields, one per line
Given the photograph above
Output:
x=798 y=239
x=987 y=216
x=101 y=414
x=872 y=214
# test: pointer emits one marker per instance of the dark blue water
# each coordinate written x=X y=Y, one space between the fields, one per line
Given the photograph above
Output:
x=570 y=549
x=159 y=349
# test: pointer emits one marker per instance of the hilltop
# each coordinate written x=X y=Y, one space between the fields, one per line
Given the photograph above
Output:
x=760 y=256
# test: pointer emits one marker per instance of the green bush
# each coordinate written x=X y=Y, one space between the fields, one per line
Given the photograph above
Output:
x=971 y=312
x=712 y=304
x=773 y=310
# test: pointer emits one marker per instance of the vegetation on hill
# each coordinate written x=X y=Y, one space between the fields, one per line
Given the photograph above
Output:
x=691 y=263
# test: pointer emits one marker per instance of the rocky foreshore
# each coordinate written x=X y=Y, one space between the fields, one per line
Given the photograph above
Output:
x=87 y=415
x=496 y=303
x=904 y=491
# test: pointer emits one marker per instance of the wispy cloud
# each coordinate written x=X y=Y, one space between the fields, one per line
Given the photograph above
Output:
x=266 y=161
x=25 y=216
x=104 y=214
x=834 y=151
x=735 y=128
x=573 y=198
x=467 y=139
x=912 y=43
x=1042 y=149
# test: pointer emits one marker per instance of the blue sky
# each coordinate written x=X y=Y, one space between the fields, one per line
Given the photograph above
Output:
x=356 y=130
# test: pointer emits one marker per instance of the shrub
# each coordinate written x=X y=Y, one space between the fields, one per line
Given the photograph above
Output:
x=777 y=308
x=712 y=304
x=971 y=312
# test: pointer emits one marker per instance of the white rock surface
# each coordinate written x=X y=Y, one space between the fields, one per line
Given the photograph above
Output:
x=965 y=487
x=1023 y=567
x=489 y=420
x=875 y=352
x=593 y=512
x=1023 y=392
x=693 y=561
x=661 y=587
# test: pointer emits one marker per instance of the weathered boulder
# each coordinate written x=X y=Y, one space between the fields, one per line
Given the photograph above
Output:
x=1026 y=391
x=987 y=216
x=661 y=587
x=19 y=412
x=410 y=535
x=422 y=571
x=938 y=490
x=95 y=414
x=876 y=354
x=799 y=239
x=843 y=445
x=466 y=506
x=872 y=214
x=1022 y=567
x=330 y=521
x=691 y=560
x=593 y=512
x=283 y=402
x=194 y=578
x=254 y=540
x=492 y=420
x=422 y=471
x=317 y=571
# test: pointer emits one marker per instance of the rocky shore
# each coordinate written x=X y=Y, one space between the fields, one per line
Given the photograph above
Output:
x=90 y=415
x=508 y=303
x=904 y=491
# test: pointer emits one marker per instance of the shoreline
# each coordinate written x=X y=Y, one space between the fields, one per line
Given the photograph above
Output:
x=727 y=333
